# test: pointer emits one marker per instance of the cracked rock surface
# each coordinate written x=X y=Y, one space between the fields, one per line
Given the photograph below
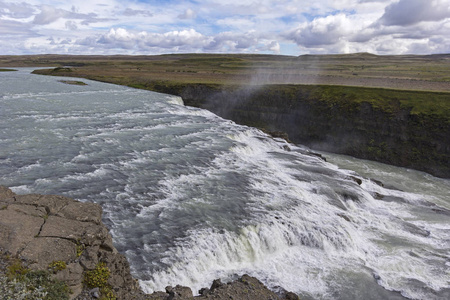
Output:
x=42 y=229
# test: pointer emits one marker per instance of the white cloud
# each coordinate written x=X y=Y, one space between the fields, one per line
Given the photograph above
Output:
x=238 y=23
x=144 y=41
x=151 y=27
x=49 y=15
x=16 y=10
x=180 y=41
x=323 y=31
x=410 y=12
x=274 y=47
x=372 y=32
x=188 y=14
x=71 y=25
x=184 y=38
x=13 y=28
x=233 y=42
x=136 y=12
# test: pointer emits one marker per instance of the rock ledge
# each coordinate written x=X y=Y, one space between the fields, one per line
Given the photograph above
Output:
x=44 y=229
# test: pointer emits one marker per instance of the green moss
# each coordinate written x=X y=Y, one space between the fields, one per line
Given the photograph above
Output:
x=98 y=277
x=16 y=270
x=107 y=294
x=7 y=70
x=57 y=266
x=80 y=248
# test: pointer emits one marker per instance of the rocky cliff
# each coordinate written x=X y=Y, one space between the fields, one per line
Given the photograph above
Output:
x=404 y=128
x=45 y=231
x=68 y=239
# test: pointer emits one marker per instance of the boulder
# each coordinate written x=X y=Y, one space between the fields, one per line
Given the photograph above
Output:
x=245 y=288
x=179 y=292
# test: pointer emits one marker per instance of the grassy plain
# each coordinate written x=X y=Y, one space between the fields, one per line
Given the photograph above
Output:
x=430 y=73
x=426 y=78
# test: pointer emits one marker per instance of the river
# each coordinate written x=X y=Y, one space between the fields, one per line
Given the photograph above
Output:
x=190 y=197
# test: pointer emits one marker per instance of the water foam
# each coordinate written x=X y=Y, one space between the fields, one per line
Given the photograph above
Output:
x=190 y=197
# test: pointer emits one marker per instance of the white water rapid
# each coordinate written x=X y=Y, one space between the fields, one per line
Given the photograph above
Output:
x=190 y=197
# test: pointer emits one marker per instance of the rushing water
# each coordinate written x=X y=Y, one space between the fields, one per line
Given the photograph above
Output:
x=190 y=197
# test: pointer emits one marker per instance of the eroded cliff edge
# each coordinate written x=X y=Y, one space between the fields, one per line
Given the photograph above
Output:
x=67 y=236
x=404 y=128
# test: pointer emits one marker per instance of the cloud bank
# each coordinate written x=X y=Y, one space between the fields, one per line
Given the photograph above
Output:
x=290 y=27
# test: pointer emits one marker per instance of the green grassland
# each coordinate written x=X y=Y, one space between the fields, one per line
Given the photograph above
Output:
x=421 y=83
x=362 y=69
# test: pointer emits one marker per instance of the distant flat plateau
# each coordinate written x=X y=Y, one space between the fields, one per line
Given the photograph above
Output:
x=402 y=72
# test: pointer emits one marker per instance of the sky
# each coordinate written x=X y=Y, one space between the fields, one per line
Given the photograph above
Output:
x=287 y=27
